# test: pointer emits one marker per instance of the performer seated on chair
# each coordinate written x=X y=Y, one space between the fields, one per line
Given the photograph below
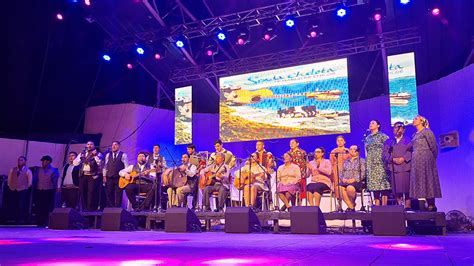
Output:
x=320 y=170
x=214 y=178
x=251 y=178
x=187 y=174
x=141 y=176
x=352 y=177
x=288 y=176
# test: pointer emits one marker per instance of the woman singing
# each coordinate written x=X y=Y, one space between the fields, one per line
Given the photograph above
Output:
x=377 y=177
x=424 y=179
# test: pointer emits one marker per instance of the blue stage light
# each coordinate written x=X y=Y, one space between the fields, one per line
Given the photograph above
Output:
x=180 y=43
x=221 y=36
x=290 y=22
x=341 y=12
x=404 y=2
x=140 y=50
x=106 y=57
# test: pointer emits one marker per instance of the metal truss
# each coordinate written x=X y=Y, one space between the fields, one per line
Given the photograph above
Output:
x=294 y=57
x=229 y=22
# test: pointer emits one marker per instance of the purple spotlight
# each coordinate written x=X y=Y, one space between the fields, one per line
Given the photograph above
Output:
x=240 y=41
x=435 y=11
x=87 y=2
x=129 y=66
x=157 y=56
x=313 y=34
x=267 y=37
x=209 y=52
x=59 y=16
x=377 y=16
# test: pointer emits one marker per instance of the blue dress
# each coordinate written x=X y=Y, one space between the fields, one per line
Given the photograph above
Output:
x=424 y=179
x=377 y=176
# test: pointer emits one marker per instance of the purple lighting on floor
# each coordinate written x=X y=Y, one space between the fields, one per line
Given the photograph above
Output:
x=242 y=261
x=142 y=262
x=7 y=242
x=152 y=242
x=435 y=11
x=66 y=239
x=404 y=246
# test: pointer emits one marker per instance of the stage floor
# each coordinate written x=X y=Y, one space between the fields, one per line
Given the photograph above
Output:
x=38 y=246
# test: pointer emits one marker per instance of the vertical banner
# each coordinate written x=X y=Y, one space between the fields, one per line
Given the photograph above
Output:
x=183 y=115
x=402 y=88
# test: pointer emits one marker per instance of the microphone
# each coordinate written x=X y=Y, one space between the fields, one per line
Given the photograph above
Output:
x=367 y=132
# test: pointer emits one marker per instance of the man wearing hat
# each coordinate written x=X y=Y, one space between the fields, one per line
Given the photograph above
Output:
x=45 y=189
x=398 y=159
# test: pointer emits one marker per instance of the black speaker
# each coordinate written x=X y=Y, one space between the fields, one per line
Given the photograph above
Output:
x=181 y=220
x=307 y=220
x=66 y=219
x=117 y=219
x=388 y=220
x=434 y=226
x=240 y=220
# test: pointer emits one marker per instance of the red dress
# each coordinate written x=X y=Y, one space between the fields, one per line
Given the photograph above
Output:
x=300 y=159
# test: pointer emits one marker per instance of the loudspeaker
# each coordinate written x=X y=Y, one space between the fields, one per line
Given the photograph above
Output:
x=436 y=226
x=307 y=220
x=66 y=219
x=388 y=220
x=117 y=219
x=241 y=220
x=181 y=220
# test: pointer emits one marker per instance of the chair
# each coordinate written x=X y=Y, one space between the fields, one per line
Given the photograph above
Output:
x=215 y=198
x=365 y=193
x=140 y=198
x=326 y=193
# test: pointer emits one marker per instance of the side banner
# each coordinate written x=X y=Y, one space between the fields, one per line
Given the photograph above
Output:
x=183 y=116
x=402 y=88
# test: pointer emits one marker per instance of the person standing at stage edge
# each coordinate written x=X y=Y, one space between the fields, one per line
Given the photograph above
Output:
x=69 y=183
x=89 y=161
x=45 y=190
x=337 y=157
x=115 y=161
x=19 y=181
x=300 y=158
x=424 y=178
x=377 y=177
x=398 y=159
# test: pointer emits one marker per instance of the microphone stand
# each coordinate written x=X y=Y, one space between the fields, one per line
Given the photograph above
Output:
x=277 y=198
x=240 y=180
x=250 y=175
x=157 y=184
x=339 y=200
x=390 y=152
x=172 y=176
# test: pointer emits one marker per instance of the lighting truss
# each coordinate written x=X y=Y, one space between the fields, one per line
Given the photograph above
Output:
x=229 y=22
x=309 y=54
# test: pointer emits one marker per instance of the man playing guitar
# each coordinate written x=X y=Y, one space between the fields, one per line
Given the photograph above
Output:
x=140 y=177
x=215 y=178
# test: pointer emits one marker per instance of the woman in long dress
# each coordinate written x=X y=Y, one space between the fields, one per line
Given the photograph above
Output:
x=377 y=176
x=424 y=179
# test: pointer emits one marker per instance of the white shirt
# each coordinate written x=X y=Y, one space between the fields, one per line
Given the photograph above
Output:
x=68 y=177
x=129 y=169
x=107 y=156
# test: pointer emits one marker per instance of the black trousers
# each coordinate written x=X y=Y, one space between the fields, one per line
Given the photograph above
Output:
x=18 y=207
x=44 y=202
x=223 y=193
x=132 y=191
x=89 y=190
x=113 y=192
x=70 y=196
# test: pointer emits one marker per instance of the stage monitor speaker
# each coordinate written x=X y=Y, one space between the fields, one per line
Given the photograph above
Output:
x=307 y=220
x=388 y=220
x=117 y=219
x=433 y=226
x=241 y=220
x=181 y=220
x=66 y=219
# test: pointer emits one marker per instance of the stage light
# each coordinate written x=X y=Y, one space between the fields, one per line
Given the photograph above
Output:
x=377 y=16
x=290 y=22
x=59 y=16
x=221 y=36
x=268 y=32
x=159 y=50
x=404 y=2
x=140 y=50
x=313 y=29
x=180 y=43
x=106 y=57
x=341 y=12
x=243 y=37
x=435 y=11
x=210 y=47
x=157 y=56
x=129 y=66
x=87 y=2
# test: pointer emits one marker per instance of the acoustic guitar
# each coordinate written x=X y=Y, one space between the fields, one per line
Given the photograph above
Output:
x=134 y=174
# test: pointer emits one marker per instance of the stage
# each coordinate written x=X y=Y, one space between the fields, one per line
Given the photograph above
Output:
x=39 y=246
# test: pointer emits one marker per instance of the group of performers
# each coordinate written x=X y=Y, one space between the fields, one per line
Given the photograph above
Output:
x=403 y=167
